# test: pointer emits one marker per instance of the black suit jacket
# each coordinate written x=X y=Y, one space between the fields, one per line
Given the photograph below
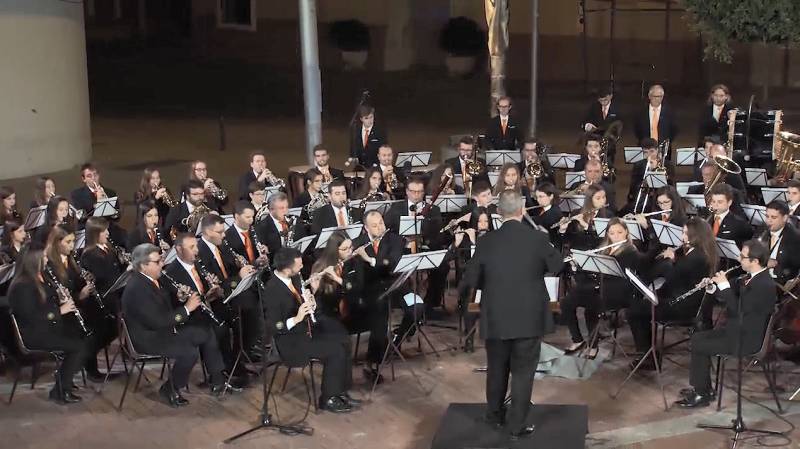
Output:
x=104 y=266
x=325 y=217
x=594 y=115
x=244 y=185
x=209 y=261
x=788 y=256
x=734 y=228
x=138 y=236
x=149 y=313
x=758 y=298
x=511 y=140
x=83 y=199
x=378 y=278
x=174 y=219
x=684 y=274
x=667 y=124
x=708 y=126
x=41 y=323
x=509 y=267
x=367 y=156
x=431 y=224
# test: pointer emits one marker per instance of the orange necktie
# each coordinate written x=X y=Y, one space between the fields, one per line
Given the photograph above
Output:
x=296 y=294
x=772 y=241
x=365 y=139
x=340 y=220
x=218 y=256
x=504 y=125
x=197 y=280
x=715 y=228
x=375 y=244
x=654 y=125
x=248 y=246
x=155 y=282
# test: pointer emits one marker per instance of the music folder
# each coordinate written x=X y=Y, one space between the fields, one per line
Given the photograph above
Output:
x=458 y=179
x=106 y=207
x=501 y=157
x=420 y=261
x=728 y=248
x=773 y=193
x=756 y=214
x=597 y=263
x=667 y=233
x=640 y=285
x=571 y=203
x=756 y=177
x=688 y=156
x=353 y=231
x=417 y=158
x=448 y=204
x=572 y=177
x=633 y=154
x=303 y=243
x=35 y=218
x=563 y=160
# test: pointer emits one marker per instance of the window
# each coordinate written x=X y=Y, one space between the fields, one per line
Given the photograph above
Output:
x=236 y=14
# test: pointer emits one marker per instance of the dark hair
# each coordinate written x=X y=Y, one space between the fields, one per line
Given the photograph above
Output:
x=649 y=142
x=604 y=91
x=591 y=190
x=591 y=137
x=714 y=140
x=285 y=257
x=758 y=251
x=94 y=227
x=337 y=183
x=241 y=206
x=141 y=210
x=309 y=175
x=793 y=183
x=548 y=188
x=194 y=184
x=414 y=179
x=40 y=190
x=480 y=187
x=701 y=238
x=51 y=217
x=255 y=186
x=678 y=210
x=476 y=215
x=5 y=192
x=87 y=166
x=617 y=221
x=9 y=227
x=180 y=238
x=329 y=257
x=779 y=206
x=210 y=220
x=57 y=234
x=257 y=153
x=364 y=188
x=145 y=190
x=29 y=265
x=467 y=140
x=723 y=189
x=365 y=110
x=530 y=140
x=319 y=147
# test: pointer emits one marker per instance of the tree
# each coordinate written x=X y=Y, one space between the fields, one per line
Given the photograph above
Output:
x=721 y=22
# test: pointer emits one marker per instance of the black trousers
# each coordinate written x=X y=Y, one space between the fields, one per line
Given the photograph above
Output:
x=595 y=299
x=518 y=357
x=104 y=331
x=76 y=351
x=437 y=280
x=183 y=347
x=639 y=316
x=378 y=322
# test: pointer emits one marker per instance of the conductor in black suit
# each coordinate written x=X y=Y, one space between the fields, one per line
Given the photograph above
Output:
x=656 y=120
x=504 y=132
x=600 y=115
x=757 y=295
x=366 y=137
x=714 y=117
x=509 y=267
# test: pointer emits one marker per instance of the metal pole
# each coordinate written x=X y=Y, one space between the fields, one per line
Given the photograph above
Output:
x=534 y=63
x=312 y=89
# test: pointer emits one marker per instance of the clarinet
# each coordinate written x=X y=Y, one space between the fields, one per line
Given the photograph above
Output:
x=184 y=292
x=262 y=249
x=63 y=296
x=123 y=256
x=240 y=260
x=312 y=319
x=290 y=222
x=89 y=278
x=161 y=242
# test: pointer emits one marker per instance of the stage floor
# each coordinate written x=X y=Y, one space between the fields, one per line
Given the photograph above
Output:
x=403 y=414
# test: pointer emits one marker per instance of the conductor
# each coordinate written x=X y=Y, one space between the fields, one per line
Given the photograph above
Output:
x=514 y=310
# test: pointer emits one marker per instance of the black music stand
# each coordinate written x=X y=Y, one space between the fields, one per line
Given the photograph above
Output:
x=241 y=287
x=35 y=218
x=574 y=177
x=650 y=296
x=7 y=272
x=107 y=207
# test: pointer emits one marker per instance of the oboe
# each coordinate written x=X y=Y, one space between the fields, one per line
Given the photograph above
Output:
x=700 y=286
x=185 y=292
x=63 y=296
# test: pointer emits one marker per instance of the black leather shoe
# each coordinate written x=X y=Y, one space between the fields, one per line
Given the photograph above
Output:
x=335 y=404
x=353 y=402
x=526 y=432
x=67 y=397
x=217 y=390
x=695 y=400
x=688 y=392
x=71 y=398
x=371 y=373
x=171 y=396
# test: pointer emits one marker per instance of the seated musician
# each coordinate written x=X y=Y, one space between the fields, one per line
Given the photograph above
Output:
x=579 y=230
x=298 y=337
x=439 y=177
x=481 y=197
x=758 y=297
x=312 y=198
x=593 y=171
x=256 y=194
x=156 y=327
x=43 y=190
x=57 y=212
x=195 y=196
x=782 y=241
x=592 y=152
x=466 y=153
x=275 y=229
x=670 y=204
x=689 y=264
x=258 y=172
x=603 y=293
x=322 y=163
x=373 y=188
x=40 y=315
x=151 y=189
x=12 y=241
x=335 y=214
x=734 y=180
x=214 y=196
x=84 y=198
x=504 y=132
x=651 y=163
x=793 y=195
x=530 y=155
x=724 y=223
x=146 y=230
x=100 y=258
x=341 y=282
x=380 y=250
x=548 y=213
x=242 y=238
x=59 y=250
x=8 y=205
x=510 y=179
x=707 y=143
x=394 y=179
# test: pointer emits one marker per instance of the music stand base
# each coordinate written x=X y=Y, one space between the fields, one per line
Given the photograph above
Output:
x=738 y=427
x=266 y=423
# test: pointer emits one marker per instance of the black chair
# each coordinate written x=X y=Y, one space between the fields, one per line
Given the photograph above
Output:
x=136 y=358
x=763 y=356
x=274 y=358
x=32 y=358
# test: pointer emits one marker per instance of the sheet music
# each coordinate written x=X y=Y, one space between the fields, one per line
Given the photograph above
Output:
x=417 y=158
x=633 y=154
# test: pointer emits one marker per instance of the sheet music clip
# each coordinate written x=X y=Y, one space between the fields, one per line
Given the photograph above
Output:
x=597 y=263
x=269 y=191
x=80 y=240
x=563 y=160
x=728 y=248
x=570 y=203
x=35 y=218
x=244 y=285
x=683 y=187
x=106 y=207
x=551 y=283
x=641 y=286
x=120 y=283
x=171 y=255
x=696 y=199
x=771 y=194
x=420 y=261
x=668 y=233
x=633 y=154
x=295 y=211
x=410 y=226
x=380 y=206
x=7 y=272
x=497 y=221
x=498 y=158
x=756 y=177
x=303 y=243
x=756 y=215
x=656 y=180
x=572 y=177
x=417 y=158
x=451 y=203
x=689 y=156
x=352 y=231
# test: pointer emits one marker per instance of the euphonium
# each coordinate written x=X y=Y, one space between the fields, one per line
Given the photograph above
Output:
x=317 y=201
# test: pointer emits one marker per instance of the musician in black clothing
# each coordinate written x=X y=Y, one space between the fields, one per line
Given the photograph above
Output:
x=100 y=258
x=793 y=195
x=341 y=281
x=510 y=178
x=151 y=189
x=298 y=336
x=592 y=152
x=724 y=224
x=337 y=213
x=84 y=198
x=579 y=231
x=707 y=143
x=656 y=120
x=504 y=132
x=243 y=239
x=670 y=204
x=256 y=194
x=652 y=163
x=758 y=297
x=12 y=241
x=43 y=190
x=594 y=176
x=195 y=196
x=146 y=230
x=258 y=172
x=156 y=327
x=8 y=205
x=274 y=230
x=515 y=310
x=394 y=179
x=734 y=180
x=599 y=117
x=481 y=197
x=466 y=153
x=322 y=163
x=530 y=154
x=548 y=214
x=709 y=172
x=312 y=183
x=57 y=212
x=373 y=188
x=714 y=117
x=40 y=316
x=782 y=241
x=366 y=137
x=215 y=196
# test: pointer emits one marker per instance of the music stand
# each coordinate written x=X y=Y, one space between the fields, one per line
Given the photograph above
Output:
x=728 y=249
x=756 y=214
x=756 y=177
x=269 y=191
x=569 y=203
x=80 y=240
x=7 y=272
x=698 y=200
x=35 y=218
x=497 y=221
x=458 y=179
x=563 y=160
x=573 y=177
x=772 y=193
x=655 y=180
x=171 y=255
x=121 y=282
x=689 y=156
x=493 y=177
x=352 y=231
x=501 y=157
x=106 y=207
x=380 y=206
x=295 y=211
x=451 y=204
x=633 y=154
x=668 y=233
x=303 y=243
x=683 y=187
x=650 y=295
x=417 y=158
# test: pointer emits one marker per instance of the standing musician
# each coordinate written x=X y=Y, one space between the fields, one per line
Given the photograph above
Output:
x=243 y=239
x=151 y=188
x=782 y=241
x=156 y=327
x=657 y=121
x=59 y=250
x=312 y=196
x=510 y=179
x=366 y=138
x=258 y=172
x=57 y=213
x=600 y=115
x=548 y=213
x=146 y=230
x=40 y=316
x=84 y=198
x=8 y=204
x=341 y=282
x=605 y=293
x=373 y=188
x=714 y=118
x=195 y=195
x=380 y=250
x=214 y=195
x=579 y=230
x=594 y=176
x=299 y=337
x=466 y=153
x=652 y=162
x=793 y=195
x=43 y=190
x=758 y=297
x=273 y=231
x=504 y=132
x=393 y=179
x=689 y=264
x=322 y=163
x=335 y=214
x=515 y=310
x=530 y=156
x=724 y=223
x=12 y=241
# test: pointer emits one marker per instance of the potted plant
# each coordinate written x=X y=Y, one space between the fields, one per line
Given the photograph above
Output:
x=464 y=41
x=351 y=37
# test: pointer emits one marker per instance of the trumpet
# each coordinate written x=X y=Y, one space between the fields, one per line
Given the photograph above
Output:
x=216 y=191
x=272 y=179
x=597 y=250
x=707 y=284
x=168 y=197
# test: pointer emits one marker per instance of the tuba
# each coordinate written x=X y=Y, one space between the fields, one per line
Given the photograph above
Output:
x=724 y=165
x=786 y=162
